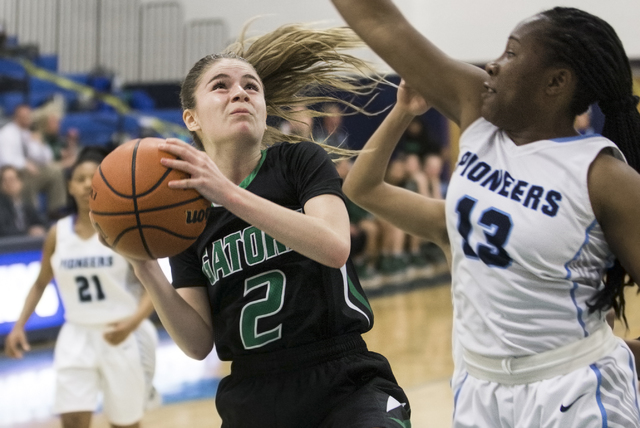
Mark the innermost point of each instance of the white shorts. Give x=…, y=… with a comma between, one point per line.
x=87, y=364
x=603, y=394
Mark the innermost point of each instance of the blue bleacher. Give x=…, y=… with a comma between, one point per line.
x=99, y=127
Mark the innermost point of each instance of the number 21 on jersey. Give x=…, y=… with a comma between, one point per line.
x=496, y=227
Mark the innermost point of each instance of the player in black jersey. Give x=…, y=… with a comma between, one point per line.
x=269, y=280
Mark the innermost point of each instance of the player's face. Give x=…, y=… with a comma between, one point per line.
x=80, y=184
x=514, y=89
x=230, y=104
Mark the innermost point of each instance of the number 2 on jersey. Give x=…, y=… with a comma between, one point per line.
x=275, y=282
x=497, y=228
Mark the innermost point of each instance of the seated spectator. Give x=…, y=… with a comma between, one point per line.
x=393, y=256
x=365, y=233
x=48, y=127
x=69, y=152
x=34, y=159
x=63, y=148
x=18, y=216
x=418, y=146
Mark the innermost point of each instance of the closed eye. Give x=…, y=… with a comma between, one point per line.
x=218, y=85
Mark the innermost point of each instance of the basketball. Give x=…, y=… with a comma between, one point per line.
x=134, y=209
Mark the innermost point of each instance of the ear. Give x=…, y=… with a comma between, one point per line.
x=190, y=120
x=560, y=81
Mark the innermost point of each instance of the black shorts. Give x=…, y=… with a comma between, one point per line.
x=336, y=383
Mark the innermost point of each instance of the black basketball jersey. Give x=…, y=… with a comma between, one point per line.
x=263, y=295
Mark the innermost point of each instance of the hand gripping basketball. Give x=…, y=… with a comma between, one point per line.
x=136, y=212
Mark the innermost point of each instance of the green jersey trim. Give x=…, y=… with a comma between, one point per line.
x=249, y=178
x=403, y=424
x=357, y=295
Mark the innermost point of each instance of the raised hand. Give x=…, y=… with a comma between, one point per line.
x=411, y=101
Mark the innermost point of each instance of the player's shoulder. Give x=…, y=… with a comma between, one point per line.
x=303, y=148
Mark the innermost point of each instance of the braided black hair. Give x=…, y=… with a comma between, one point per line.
x=592, y=49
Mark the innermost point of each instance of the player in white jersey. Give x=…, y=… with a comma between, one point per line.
x=107, y=344
x=541, y=222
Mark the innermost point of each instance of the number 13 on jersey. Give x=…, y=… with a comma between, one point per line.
x=496, y=227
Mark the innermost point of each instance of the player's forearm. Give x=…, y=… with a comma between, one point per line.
x=30, y=303
x=183, y=323
x=367, y=17
x=320, y=239
x=369, y=169
x=145, y=308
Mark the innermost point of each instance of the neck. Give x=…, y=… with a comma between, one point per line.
x=82, y=225
x=82, y=218
x=235, y=161
x=542, y=130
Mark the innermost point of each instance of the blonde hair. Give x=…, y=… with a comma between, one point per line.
x=299, y=66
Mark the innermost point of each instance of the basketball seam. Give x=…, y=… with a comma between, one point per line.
x=135, y=198
x=148, y=210
x=168, y=231
x=122, y=195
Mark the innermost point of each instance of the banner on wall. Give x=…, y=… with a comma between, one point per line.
x=18, y=271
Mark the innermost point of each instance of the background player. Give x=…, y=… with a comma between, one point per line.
x=534, y=212
x=269, y=278
x=106, y=344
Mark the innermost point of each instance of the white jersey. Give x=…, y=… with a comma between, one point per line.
x=96, y=284
x=528, y=253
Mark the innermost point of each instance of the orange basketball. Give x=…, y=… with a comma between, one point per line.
x=134, y=209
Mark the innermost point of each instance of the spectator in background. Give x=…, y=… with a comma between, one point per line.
x=34, y=160
x=365, y=233
x=393, y=257
x=69, y=154
x=424, y=163
x=421, y=149
x=302, y=123
x=64, y=148
x=48, y=127
x=18, y=216
x=332, y=131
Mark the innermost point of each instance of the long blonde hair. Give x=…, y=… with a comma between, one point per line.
x=299, y=66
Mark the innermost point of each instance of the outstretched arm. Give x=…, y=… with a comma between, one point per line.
x=365, y=185
x=16, y=342
x=451, y=86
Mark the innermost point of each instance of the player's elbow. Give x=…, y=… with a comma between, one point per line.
x=358, y=193
x=350, y=190
x=198, y=352
x=338, y=256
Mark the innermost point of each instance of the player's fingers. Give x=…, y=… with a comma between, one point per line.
x=13, y=349
x=181, y=184
x=178, y=148
x=24, y=344
x=181, y=165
